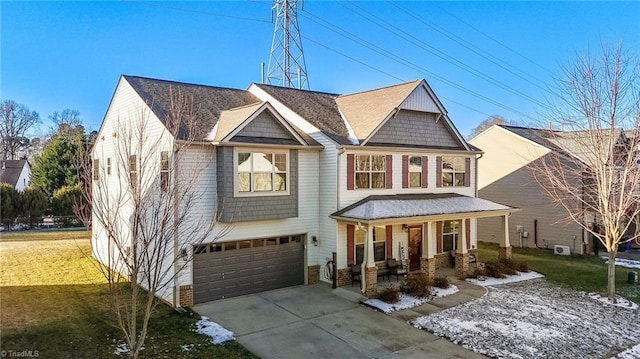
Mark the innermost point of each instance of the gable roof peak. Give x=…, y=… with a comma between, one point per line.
x=416, y=82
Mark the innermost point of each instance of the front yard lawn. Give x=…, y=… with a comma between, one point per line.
x=54, y=301
x=582, y=272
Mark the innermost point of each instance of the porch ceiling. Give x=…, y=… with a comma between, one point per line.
x=419, y=207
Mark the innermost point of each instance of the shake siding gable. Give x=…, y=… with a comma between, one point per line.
x=351, y=234
x=350, y=172
x=405, y=171
x=389, y=170
x=425, y=162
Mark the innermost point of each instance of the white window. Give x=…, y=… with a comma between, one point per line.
x=262, y=172
x=164, y=171
x=450, y=233
x=133, y=170
x=453, y=171
x=379, y=245
x=370, y=171
x=96, y=169
x=415, y=171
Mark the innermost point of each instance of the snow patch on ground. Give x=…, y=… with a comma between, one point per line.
x=214, y=330
x=620, y=301
x=535, y=319
x=631, y=353
x=489, y=281
x=186, y=347
x=121, y=348
x=407, y=301
x=621, y=262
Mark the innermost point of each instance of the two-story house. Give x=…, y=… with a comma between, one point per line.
x=300, y=176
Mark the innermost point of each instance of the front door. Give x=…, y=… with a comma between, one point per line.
x=415, y=247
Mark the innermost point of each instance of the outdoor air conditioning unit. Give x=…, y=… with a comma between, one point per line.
x=562, y=250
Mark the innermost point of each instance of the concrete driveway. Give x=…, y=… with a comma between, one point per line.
x=318, y=322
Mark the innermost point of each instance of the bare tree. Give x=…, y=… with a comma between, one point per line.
x=145, y=184
x=595, y=174
x=493, y=120
x=15, y=120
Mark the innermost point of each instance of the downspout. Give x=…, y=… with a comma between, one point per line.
x=478, y=157
x=339, y=153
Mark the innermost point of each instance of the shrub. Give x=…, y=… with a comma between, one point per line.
x=521, y=266
x=417, y=285
x=479, y=271
x=389, y=295
x=494, y=269
x=441, y=282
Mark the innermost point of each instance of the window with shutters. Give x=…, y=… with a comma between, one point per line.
x=453, y=171
x=370, y=171
x=415, y=171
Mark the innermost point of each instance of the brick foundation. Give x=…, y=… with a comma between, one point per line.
x=186, y=296
x=371, y=281
x=313, y=274
x=344, y=277
x=504, y=252
x=462, y=264
x=443, y=260
x=428, y=266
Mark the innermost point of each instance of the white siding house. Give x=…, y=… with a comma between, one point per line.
x=291, y=178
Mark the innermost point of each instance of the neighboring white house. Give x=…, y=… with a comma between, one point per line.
x=16, y=173
x=300, y=175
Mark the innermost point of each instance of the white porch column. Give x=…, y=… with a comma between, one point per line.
x=369, y=269
x=369, y=252
x=429, y=244
x=461, y=246
x=427, y=261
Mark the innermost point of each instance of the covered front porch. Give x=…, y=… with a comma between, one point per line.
x=420, y=231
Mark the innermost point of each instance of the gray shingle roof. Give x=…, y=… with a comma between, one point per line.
x=208, y=101
x=10, y=171
x=576, y=144
x=416, y=205
x=318, y=108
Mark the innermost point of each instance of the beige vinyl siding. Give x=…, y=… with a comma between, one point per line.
x=504, y=152
x=519, y=190
x=503, y=177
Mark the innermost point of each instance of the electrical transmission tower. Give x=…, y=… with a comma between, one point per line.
x=286, y=62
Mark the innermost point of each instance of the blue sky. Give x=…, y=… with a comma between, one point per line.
x=481, y=58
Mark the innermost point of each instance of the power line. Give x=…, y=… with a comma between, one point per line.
x=194, y=11
x=342, y=32
x=494, y=60
x=387, y=73
x=441, y=54
x=495, y=40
